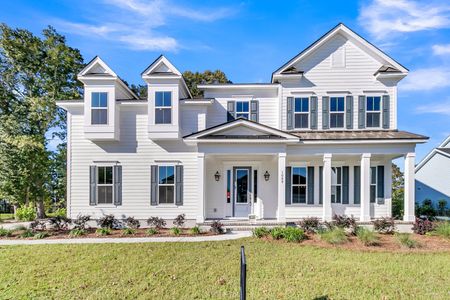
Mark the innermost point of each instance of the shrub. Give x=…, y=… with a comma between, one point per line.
x=60, y=223
x=26, y=213
x=217, y=227
x=77, y=232
x=342, y=221
x=422, y=226
x=175, y=230
x=5, y=232
x=405, y=240
x=384, y=225
x=426, y=209
x=109, y=222
x=442, y=205
x=195, y=230
x=293, y=234
x=103, y=231
x=132, y=223
x=60, y=212
x=41, y=235
x=152, y=231
x=38, y=225
x=260, y=232
x=367, y=237
x=310, y=225
x=277, y=233
x=157, y=223
x=334, y=236
x=27, y=233
x=442, y=229
x=81, y=222
x=179, y=220
x=129, y=231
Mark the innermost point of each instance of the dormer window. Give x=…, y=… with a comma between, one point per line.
x=337, y=111
x=163, y=107
x=373, y=111
x=242, y=109
x=301, y=113
x=99, y=108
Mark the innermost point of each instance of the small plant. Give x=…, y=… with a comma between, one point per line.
x=342, y=221
x=423, y=226
x=217, y=227
x=20, y=228
x=41, y=235
x=179, y=220
x=109, y=222
x=157, y=223
x=442, y=204
x=442, y=229
x=310, y=225
x=260, y=232
x=152, y=231
x=60, y=223
x=132, y=223
x=103, y=231
x=128, y=231
x=293, y=234
x=38, y=225
x=195, y=230
x=384, y=225
x=277, y=233
x=405, y=240
x=27, y=233
x=175, y=230
x=77, y=232
x=60, y=212
x=334, y=236
x=367, y=237
x=5, y=232
x=81, y=222
x=26, y=213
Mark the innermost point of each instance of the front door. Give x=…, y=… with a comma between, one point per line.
x=242, y=204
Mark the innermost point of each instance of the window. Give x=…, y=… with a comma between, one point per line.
x=337, y=106
x=255, y=186
x=242, y=109
x=336, y=185
x=373, y=184
x=301, y=113
x=299, y=185
x=163, y=107
x=166, y=185
x=228, y=186
x=99, y=108
x=105, y=185
x=373, y=111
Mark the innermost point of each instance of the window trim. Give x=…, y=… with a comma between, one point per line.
x=299, y=185
x=302, y=113
x=337, y=184
x=243, y=112
x=373, y=184
x=97, y=185
x=344, y=125
x=100, y=108
x=164, y=108
x=174, y=184
x=380, y=112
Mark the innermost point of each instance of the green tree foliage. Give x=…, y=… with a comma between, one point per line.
x=398, y=192
x=34, y=73
x=193, y=79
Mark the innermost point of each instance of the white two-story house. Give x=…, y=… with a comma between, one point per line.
x=317, y=140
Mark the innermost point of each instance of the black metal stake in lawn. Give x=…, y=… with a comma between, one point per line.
x=243, y=274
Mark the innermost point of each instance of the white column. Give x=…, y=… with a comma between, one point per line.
x=326, y=186
x=409, y=187
x=201, y=187
x=365, y=187
x=281, y=214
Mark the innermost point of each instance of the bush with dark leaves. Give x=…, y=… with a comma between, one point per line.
x=217, y=227
x=81, y=222
x=384, y=225
x=423, y=226
x=310, y=225
x=60, y=223
x=132, y=223
x=179, y=220
x=38, y=225
x=157, y=223
x=108, y=222
x=345, y=222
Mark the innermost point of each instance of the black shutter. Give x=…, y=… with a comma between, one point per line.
x=356, y=184
x=362, y=112
x=179, y=185
x=320, y=185
x=313, y=112
x=345, y=179
x=288, y=185
x=231, y=111
x=290, y=113
x=154, y=185
x=386, y=114
x=310, y=185
x=254, y=108
x=117, y=185
x=325, y=112
x=380, y=184
x=93, y=185
x=349, y=112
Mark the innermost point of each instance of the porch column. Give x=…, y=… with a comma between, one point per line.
x=409, y=187
x=281, y=214
x=201, y=187
x=365, y=187
x=327, y=211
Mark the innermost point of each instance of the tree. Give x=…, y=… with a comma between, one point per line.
x=34, y=73
x=398, y=192
x=193, y=79
x=140, y=90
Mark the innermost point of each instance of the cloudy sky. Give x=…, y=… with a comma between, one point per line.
x=248, y=40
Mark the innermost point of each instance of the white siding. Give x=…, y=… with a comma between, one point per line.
x=433, y=179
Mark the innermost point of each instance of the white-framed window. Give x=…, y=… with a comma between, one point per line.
x=301, y=113
x=105, y=185
x=99, y=108
x=299, y=185
x=243, y=109
x=163, y=107
x=336, y=185
x=166, y=184
x=337, y=112
x=373, y=111
x=373, y=184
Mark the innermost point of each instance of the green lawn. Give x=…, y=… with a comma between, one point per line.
x=211, y=270
x=6, y=216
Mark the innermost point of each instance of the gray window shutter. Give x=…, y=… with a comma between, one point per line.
x=231, y=111
x=320, y=185
x=325, y=112
x=179, y=185
x=290, y=113
x=310, y=185
x=386, y=114
x=93, y=185
x=357, y=185
x=345, y=180
x=380, y=184
x=117, y=185
x=288, y=185
x=154, y=185
x=313, y=112
x=254, y=107
x=362, y=112
x=349, y=112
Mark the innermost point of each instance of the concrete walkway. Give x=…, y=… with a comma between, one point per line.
x=223, y=237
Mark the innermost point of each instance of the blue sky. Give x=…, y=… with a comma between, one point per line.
x=248, y=40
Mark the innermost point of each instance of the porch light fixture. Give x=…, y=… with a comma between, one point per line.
x=217, y=176
x=266, y=176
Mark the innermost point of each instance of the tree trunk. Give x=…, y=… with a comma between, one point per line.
x=40, y=209
x=15, y=210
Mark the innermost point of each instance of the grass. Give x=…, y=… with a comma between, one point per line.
x=443, y=230
x=367, y=237
x=210, y=270
x=405, y=240
x=6, y=217
x=334, y=236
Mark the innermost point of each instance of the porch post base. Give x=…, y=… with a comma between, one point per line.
x=409, y=218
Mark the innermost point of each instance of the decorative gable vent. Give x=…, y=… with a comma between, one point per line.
x=338, y=58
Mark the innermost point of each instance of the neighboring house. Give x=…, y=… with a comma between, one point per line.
x=318, y=140
x=433, y=175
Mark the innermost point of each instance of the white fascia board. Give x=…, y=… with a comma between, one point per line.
x=238, y=141
x=133, y=103
x=390, y=75
x=67, y=104
x=443, y=153
x=288, y=76
x=197, y=102
x=425, y=160
x=237, y=86
x=161, y=60
x=445, y=142
x=97, y=60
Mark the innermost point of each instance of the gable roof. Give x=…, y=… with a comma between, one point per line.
x=347, y=32
x=441, y=149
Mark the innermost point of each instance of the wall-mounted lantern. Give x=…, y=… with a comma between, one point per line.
x=266, y=176
x=217, y=176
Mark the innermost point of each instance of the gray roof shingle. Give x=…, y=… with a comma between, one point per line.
x=356, y=135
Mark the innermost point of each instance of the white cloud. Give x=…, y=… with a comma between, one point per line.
x=426, y=79
x=382, y=18
x=442, y=108
x=441, y=49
